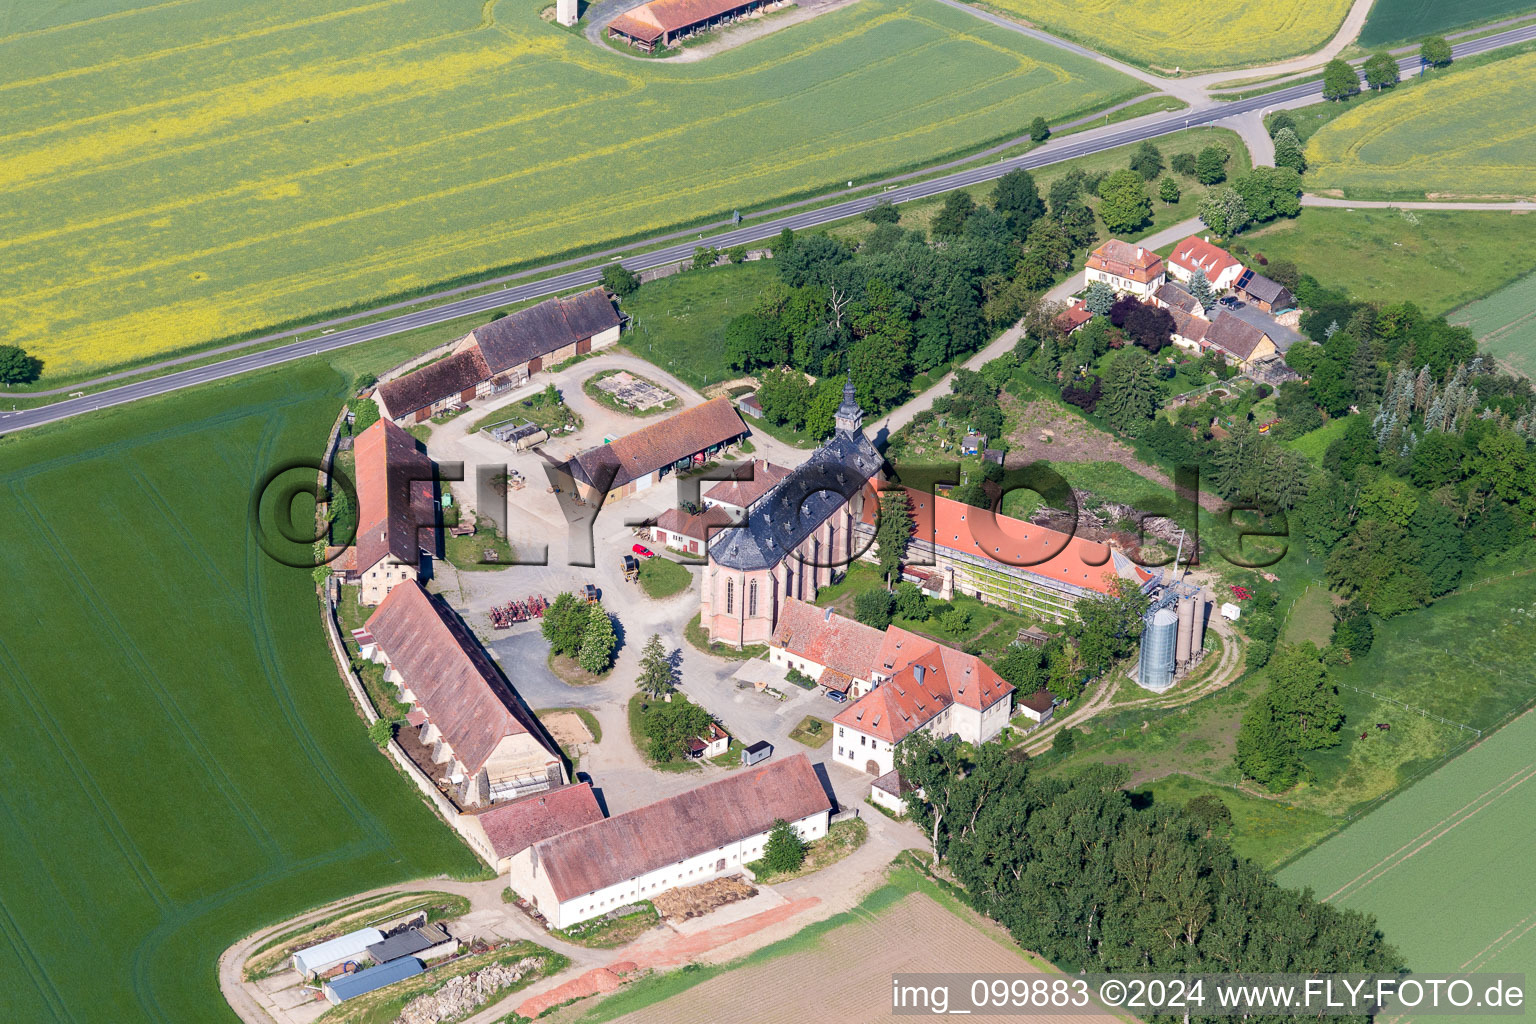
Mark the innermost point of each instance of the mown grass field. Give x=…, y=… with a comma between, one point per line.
x=1505, y=323
x=679, y=321
x=177, y=172
x=1457, y=136
x=1392, y=21
x=1445, y=866
x=186, y=766
x=1181, y=34
x=1267, y=831
x=1438, y=259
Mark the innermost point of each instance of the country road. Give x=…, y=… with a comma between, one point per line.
x=1058, y=150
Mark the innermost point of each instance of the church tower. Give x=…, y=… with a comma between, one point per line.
x=849, y=418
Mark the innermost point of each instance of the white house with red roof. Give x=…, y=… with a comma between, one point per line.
x=1125, y=267
x=1196, y=255
x=948, y=692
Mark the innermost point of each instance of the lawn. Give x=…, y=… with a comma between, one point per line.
x=679, y=321
x=1449, y=137
x=1467, y=825
x=194, y=769
x=811, y=731
x=1505, y=324
x=1181, y=34
x=1441, y=259
x=1310, y=617
x=1267, y=831
x=469, y=554
x=1314, y=443
x=661, y=577
x=175, y=174
x=1392, y=21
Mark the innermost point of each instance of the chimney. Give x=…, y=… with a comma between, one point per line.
x=1139, y=252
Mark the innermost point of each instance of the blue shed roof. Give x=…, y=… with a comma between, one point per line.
x=350, y=986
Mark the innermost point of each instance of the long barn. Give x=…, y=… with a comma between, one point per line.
x=658, y=24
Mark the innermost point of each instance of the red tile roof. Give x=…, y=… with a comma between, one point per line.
x=1195, y=253
x=514, y=826
x=451, y=676
x=822, y=636
x=700, y=527
x=659, y=445
x=1040, y=550
x=933, y=678
x=741, y=805
x=750, y=482
x=1122, y=259
x=648, y=21
x=1189, y=326
x=1073, y=317
x=394, y=494
x=425, y=387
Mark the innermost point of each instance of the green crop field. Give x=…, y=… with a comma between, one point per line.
x=186, y=766
x=1181, y=34
x=172, y=173
x=1446, y=866
x=1449, y=137
x=1439, y=259
x=1505, y=322
x=1393, y=21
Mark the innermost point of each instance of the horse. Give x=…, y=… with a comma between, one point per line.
x=1383, y=726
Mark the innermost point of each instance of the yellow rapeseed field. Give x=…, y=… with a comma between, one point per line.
x=1466, y=134
x=1166, y=35
x=177, y=172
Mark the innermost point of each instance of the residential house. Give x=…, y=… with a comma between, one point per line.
x=510, y=827
x=1238, y=340
x=840, y=653
x=1175, y=297
x=1197, y=255
x=748, y=483
x=713, y=830
x=1127, y=268
x=1189, y=330
x=714, y=742
x=396, y=511
x=1074, y=316
x=490, y=746
x=641, y=459
x=1260, y=291
x=948, y=692
x=676, y=529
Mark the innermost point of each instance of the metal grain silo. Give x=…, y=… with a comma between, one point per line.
x=1157, y=648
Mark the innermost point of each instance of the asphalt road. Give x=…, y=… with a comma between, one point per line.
x=1296, y=95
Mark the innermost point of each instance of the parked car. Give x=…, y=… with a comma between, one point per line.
x=837, y=698
x=643, y=551
x=1230, y=301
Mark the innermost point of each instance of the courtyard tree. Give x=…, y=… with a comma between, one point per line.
x=655, y=669
x=565, y=623
x=1340, y=81
x=1098, y=298
x=1211, y=165
x=785, y=850
x=894, y=532
x=911, y=602
x=597, y=642
x=1381, y=70
x=1200, y=288
x=1123, y=202
x=874, y=607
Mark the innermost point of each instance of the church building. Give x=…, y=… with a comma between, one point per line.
x=795, y=540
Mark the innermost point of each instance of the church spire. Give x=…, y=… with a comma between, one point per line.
x=850, y=418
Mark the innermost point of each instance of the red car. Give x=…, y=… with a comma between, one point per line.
x=643, y=551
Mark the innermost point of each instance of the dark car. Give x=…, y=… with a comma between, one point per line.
x=837, y=698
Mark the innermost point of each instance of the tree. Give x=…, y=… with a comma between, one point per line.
x=17, y=367
x=565, y=623
x=1183, y=163
x=894, y=532
x=1147, y=160
x=670, y=725
x=1224, y=211
x=1099, y=298
x=597, y=642
x=365, y=413
x=1200, y=288
x=1279, y=121
x=1339, y=80
x=1131, y=394
x=874, y=607
x=1124, y=205
x=1064, y=742
x=911, y=602
x=950, y=220
x=883, y=212
x=381, y=732
x=881, y=370
x=655, y=669
x=1213, y=814
x=1289, y=152
x=955, y=621
x=1305, y=700
x=1436, y=52
x=1211, y=165
x=1023, y=666
x=704, y=256
x=1017, y=198
x=1269, y=192
x=785, y=850
x=618, y=279
x=1380, y=70
x=1039, y=131
x=1168, y=191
